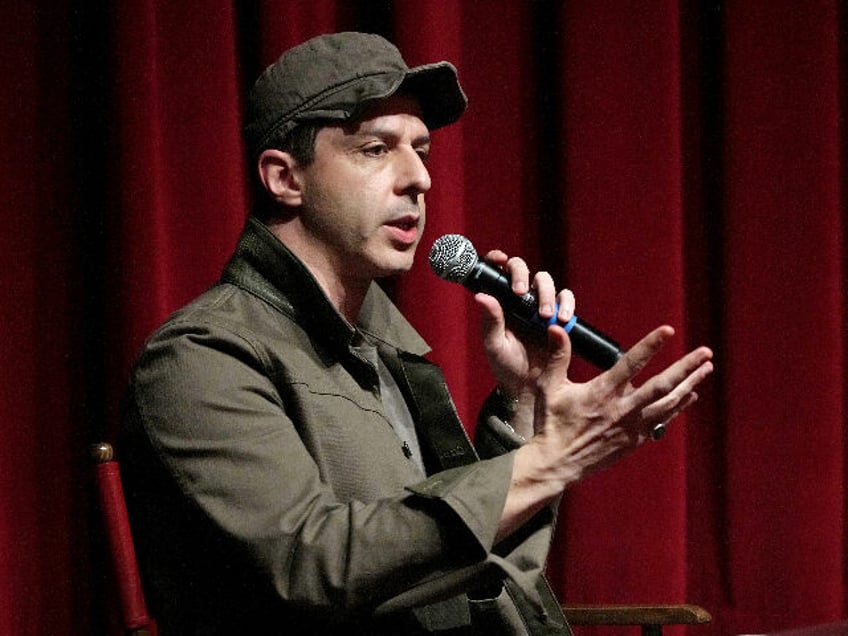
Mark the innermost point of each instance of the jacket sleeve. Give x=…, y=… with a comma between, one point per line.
x=525, y=554
x=203, y=403
x=493, y=435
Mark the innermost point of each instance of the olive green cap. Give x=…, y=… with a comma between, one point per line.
x=333, y=77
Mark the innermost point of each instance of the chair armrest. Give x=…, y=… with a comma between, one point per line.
x=636, y=614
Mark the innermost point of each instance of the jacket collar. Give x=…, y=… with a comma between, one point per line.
x=263, y=266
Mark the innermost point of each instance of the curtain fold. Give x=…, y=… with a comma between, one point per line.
x=672, y=162
x=622, y=207
x=783, y=234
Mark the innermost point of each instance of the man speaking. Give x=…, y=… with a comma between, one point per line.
x=293, y=464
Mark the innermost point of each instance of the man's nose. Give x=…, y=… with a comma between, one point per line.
x=414, y=176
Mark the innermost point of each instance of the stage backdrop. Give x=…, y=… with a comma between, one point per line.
x=671, y=161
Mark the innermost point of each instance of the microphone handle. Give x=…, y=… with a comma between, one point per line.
x=591, y=345
x=587, y=341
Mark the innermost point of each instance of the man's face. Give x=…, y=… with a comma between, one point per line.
x=363, y=195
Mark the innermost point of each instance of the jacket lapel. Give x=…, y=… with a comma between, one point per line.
x=441, y=435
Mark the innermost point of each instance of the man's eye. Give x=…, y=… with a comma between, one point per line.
x=424, y=154
x=375, y=150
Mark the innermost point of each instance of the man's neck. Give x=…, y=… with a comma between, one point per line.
x=345, y=293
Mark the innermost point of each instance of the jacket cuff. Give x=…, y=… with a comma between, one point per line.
x=475, y=493
x=494, y=436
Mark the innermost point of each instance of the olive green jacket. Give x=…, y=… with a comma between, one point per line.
x=269, y=493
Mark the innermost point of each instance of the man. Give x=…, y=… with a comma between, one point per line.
x=294, y=465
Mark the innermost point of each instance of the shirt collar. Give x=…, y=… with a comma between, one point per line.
x=265, y=267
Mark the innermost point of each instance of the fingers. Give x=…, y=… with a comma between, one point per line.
x=638, y=356
x=665, y=395
x=690, y=370
x=679, y=379
x=656, y=431
x=669, y=393
x=567, y=303
x=542, y=285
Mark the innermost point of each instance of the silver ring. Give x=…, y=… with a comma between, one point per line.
x=658, y=431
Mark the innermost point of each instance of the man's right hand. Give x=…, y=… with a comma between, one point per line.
x=582, y=428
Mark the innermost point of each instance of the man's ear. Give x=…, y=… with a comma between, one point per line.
x=280, y=176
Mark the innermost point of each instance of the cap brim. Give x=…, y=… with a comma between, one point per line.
x=436, y=87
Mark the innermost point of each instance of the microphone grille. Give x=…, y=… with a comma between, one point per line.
x=452, y=257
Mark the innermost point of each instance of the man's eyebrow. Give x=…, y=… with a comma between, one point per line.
x=422, y=141
x=388, y=133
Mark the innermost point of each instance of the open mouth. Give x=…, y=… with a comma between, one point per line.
x=405, y=230
x=405, y=224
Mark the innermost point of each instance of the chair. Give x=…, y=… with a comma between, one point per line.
x=136, y=620
x=651, y=618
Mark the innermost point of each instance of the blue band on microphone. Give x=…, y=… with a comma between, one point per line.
x=553, y=320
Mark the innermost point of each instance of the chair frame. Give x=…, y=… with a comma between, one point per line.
x=135, y=618
x=651, y=618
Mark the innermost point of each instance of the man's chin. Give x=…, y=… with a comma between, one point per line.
x=401, y=264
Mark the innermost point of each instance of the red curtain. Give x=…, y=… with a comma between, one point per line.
x=676, y=162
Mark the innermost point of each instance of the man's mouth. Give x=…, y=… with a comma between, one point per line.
x=404, y=224
x=405, y=229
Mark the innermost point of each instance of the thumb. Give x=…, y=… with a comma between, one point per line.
x=492, y=319
x=559, y=357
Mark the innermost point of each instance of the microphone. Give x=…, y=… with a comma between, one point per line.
x=454, y=259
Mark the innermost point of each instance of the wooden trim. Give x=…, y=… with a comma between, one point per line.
x=683, y=614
